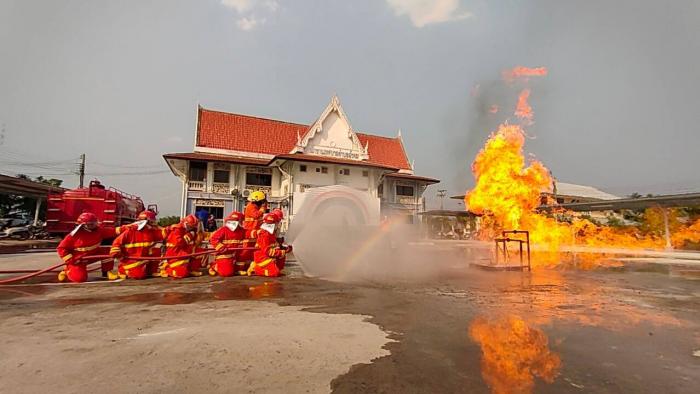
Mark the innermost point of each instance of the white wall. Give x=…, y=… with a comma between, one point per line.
x=334, y=133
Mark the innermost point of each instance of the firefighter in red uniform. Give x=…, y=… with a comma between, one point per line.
x=139, y=240
x=254, y=212
x=270, y=257
x=231, y=235
x=83, y=241
x=182, y=239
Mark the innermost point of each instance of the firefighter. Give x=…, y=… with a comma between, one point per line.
x=270, y=257
x=231, y=235
x=254, y=212
x=182, y=239
x=83, y=241
x=139, y=240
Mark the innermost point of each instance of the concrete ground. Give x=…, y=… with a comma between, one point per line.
x=632, y=329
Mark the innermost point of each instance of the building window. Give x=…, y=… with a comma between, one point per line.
x=365, y=173
x=324, y=170
x=198, y=171
x=406, y=191
x=344, y=171
x=221, y=176
x=254, y=179
x=380, y=190
x=302, y=168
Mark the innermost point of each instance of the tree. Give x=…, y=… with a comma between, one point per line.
x=168, y=220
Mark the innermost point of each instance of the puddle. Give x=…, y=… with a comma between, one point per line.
x=218, y=292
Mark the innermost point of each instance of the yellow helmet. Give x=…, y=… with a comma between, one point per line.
x=257, y=196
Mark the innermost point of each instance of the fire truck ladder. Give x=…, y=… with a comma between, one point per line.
x=502, y=247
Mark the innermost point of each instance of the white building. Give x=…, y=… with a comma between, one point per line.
x=235, y=154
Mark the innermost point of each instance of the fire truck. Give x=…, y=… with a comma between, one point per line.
x=111, y=206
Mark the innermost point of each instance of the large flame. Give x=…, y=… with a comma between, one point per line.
x=513, y=354
x=509, y=188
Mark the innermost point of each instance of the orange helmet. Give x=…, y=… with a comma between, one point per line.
x=87, y=217
x=271, y=218
x=147, y=215
x=279, y=213
x=190, y=221
x=235, y=216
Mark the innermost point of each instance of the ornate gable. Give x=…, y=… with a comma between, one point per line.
x=332, y=135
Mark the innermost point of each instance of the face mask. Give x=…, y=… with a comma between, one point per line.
x=232, y=225
x=76, y=229
x=269, y=227
x=141, y=224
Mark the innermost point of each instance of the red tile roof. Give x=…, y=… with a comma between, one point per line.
x=386, y=151
x=237, y=132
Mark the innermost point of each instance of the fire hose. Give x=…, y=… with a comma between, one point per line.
x=99, y=259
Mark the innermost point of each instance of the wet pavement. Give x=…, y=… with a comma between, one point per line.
x=465, y=330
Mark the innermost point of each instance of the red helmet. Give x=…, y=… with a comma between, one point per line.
x=279, y=213
x=87, y=217
x=147, y=215
x=190, y=220
x=271, y=218
x=235, y=216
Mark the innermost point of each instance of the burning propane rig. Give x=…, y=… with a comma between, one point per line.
x=508, y=190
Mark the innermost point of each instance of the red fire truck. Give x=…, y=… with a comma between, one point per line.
x=112, y=207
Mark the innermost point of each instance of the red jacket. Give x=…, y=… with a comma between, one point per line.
x=83, y=243
x=224, y=238
x=268, y=247
x=180, y=242
x=135, y=243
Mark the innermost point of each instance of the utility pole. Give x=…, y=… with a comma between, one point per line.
x=81, y=170
x=441, y=194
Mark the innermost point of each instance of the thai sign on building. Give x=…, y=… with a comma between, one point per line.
x=334, y=152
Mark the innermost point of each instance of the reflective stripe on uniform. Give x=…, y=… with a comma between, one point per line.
x=88, y=248
x=177, y=263
x=264, y=263
x=219, y=247
x=67, y=257
x=224, y=256
x=138, y=245
x=230, y=241
x=134, y=265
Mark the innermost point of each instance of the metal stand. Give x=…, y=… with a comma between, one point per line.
x=502, y=247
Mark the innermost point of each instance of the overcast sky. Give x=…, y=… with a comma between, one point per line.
x=121, y=80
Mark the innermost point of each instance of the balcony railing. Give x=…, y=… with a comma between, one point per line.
x=406, y=200
x=222, y=188
x=199, y=186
